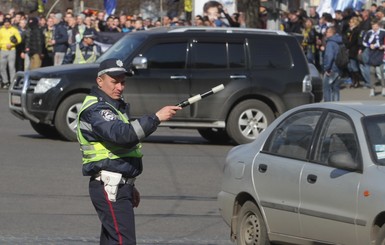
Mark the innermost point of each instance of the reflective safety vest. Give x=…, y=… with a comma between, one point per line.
x=96, y=151
x=79, y=58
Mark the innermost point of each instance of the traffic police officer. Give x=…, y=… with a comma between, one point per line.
x=87, y=51
x=110, y=144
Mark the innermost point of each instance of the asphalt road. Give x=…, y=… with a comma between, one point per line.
x=44, y=198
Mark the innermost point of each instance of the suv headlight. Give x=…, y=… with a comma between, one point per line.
x=44, y=84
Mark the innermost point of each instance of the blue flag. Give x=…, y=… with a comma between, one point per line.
x=110, y=6
x=329, y=6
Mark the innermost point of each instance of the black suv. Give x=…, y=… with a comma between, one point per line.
x=264, y=73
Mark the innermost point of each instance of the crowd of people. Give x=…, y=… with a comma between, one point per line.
x=362, y=33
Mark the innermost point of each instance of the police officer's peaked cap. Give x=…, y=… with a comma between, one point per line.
x=113, y=68
x=89, y=33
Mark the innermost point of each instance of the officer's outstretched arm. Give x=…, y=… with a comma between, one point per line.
x=167, y=112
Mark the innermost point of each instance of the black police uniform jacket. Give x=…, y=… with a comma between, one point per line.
x=108, y=128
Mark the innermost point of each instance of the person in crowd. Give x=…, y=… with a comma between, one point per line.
x=111, y=130
x=21, y=63
x=122, y=20
x=338, y=21
x=198, y=21
x=374, y=43
x=325, y=22
x=309, y=40
x=70, y=25
x=110, y=25
x=60, y=40
x=313, y=14
x=9, y=39
x=87, y=51
x=48, y=37
x=213, y=10
x=116, y=24
x=331, y=81
x=147, y=23
x=79, y=28
x=138, y=26
x=34, y=43
x=102, y=24
x=128, y=27
x=42, y=22
x=295, y=24
x=351, y=40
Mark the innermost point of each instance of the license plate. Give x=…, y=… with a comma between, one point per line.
x=15, y=99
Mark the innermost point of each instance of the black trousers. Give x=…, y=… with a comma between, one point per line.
x=117, y=218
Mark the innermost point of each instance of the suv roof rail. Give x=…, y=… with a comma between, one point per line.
x=225, y=30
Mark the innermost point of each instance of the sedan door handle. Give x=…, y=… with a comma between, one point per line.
x=262, y=168
x=238, y=76
x=178, y=77
x=311, y=178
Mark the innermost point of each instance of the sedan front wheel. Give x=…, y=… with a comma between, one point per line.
x=251, y=228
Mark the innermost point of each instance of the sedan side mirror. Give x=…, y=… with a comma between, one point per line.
x=139, y=62
x=342, y=160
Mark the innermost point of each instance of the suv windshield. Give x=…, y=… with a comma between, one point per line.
x=375, y=128
x=123, y=48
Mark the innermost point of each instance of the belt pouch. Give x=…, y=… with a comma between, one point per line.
x=111, y=181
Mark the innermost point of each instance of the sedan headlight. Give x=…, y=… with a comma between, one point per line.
x=44, y=84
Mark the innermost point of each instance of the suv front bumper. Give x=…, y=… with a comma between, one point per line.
x=24, y=104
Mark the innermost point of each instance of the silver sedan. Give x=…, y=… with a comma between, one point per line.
x=316, y=175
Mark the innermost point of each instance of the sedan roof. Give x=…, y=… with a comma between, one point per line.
x=366, y=108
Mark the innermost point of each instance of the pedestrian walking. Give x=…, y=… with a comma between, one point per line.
x=110, y=143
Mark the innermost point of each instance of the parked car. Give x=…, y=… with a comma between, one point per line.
x=265, y=73
x=316, y=175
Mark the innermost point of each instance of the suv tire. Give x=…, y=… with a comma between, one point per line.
x=215, y=135
x=247, y=120
x=45, y=130
x=66, y=116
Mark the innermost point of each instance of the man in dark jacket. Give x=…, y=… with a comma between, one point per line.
x=34, y=43
x=60, y=40
x=331, y=85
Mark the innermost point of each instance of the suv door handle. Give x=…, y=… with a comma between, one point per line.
x=238, y=76
x=178, y=77
x=311, y=178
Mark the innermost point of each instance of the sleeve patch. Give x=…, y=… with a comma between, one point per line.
x=108, y=115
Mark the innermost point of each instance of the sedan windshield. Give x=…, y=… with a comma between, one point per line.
x=123, y=48
x=375, y=129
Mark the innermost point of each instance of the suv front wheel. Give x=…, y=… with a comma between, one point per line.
x=66, y=116
x=247, y=120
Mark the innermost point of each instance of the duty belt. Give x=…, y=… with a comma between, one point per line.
x=123, y=180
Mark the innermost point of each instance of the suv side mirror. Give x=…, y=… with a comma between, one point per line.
x=139, y=62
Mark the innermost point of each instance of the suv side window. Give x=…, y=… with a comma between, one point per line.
x=293, y=137
x=167, y=56
x=269, y=54
x=218, y=55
